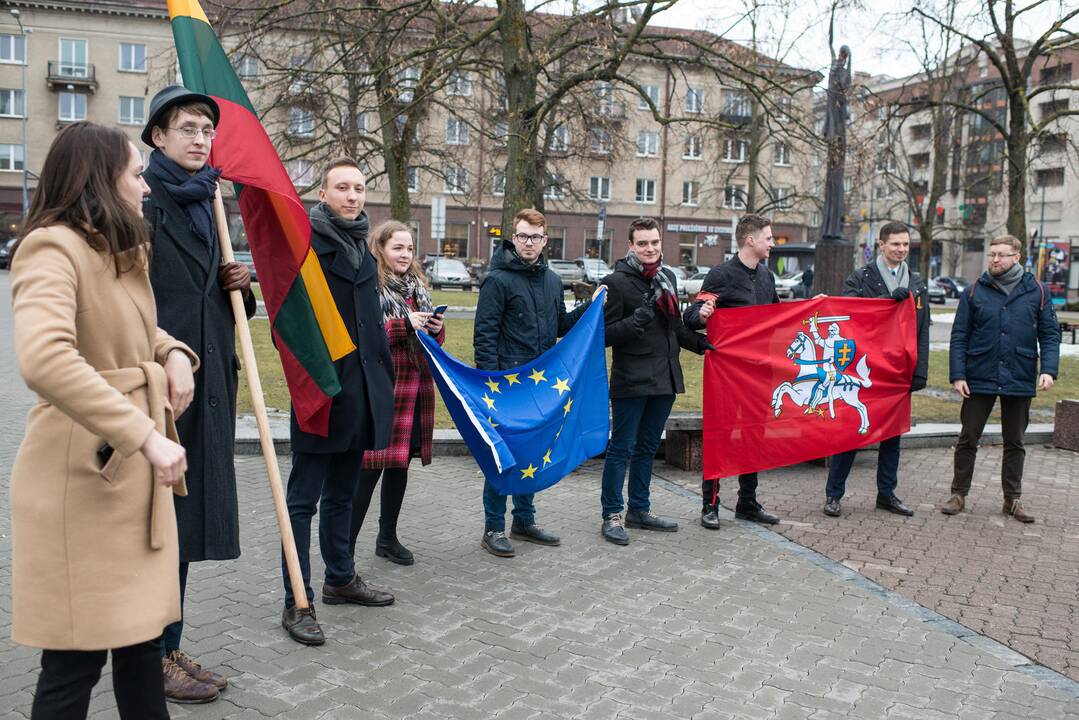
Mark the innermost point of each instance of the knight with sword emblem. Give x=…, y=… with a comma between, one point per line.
x=837, y=356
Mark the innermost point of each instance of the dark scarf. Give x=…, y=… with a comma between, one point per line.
x=1008, y=279
x=193, y=193
x=396, y=292
x=665, y=294
x=349, y=235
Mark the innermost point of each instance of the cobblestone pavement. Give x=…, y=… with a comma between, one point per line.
x=1013, y=582
x=735, y=624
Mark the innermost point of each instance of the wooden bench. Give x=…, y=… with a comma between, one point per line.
x=684, y=445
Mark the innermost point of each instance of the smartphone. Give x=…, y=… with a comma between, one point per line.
x=440, y=310
x=104, y=453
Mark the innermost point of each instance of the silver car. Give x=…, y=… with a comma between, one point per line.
x=594, y=269
x=448, y=272
x=567, y=271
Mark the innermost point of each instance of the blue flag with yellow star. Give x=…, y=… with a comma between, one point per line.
x=530, y=426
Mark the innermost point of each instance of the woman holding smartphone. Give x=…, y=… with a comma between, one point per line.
x=94, y=531
x=406, y=310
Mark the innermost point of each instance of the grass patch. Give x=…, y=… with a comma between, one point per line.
x=926, y=407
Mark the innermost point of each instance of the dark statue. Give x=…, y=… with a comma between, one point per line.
x=835, y=133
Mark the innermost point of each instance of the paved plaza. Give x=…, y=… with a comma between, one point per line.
x=742, y=623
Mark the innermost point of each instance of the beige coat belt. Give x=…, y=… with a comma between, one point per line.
x=151, y=375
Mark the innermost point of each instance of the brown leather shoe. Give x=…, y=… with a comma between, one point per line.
x=198, y=672
x=954, y=505
x=182, y=688
x=1015, y=509
x=355, y=592
x=302, y=626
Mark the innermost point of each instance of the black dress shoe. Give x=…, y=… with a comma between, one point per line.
x=893, y=505
x=495, y=542
x=534, y=534
x=648, y=521
x=613, y=531
x=710, y=517
x=394, y=551
x=355, y=592
x=756, y=514
x=832, y=507
x=302, y=625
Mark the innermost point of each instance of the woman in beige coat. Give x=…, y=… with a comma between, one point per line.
x=94, y=532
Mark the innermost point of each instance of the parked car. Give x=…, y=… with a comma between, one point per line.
x=245, y=257
x=693, y=284
x=567, y=271
x=448, y=272
x=953, y=286
x=593, y=269
x=5, y=252
x=936, y=292
x=789, y=285
x=680, y=278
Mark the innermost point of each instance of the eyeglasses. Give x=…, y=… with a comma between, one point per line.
x=191, y=132
x=529, y=239
x=1001, y=256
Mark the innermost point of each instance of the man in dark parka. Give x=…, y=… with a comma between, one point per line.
x=325, y=470
x=191, y=290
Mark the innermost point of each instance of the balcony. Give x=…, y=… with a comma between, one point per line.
x=70, y=76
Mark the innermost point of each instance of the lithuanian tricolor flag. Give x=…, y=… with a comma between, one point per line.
x=308, y=329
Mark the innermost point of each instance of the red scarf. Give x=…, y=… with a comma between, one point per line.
x=667, y=302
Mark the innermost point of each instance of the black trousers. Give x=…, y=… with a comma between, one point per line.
x=1014, y=417
x=747, y=492
x=394, y=481
x=68, y=676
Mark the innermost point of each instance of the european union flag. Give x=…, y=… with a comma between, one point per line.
x=530, y=426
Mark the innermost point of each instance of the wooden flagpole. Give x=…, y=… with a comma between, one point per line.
x=273, y=471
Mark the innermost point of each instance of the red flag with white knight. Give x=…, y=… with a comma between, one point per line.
x=792, y=382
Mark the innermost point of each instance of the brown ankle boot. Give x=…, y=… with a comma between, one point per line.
x=954, y=505
x=182, y=688
x=192, y=668
x=1015, y=509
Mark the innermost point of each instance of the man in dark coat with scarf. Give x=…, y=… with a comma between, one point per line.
x=644, y=328
x=887, y=276
x=325, y=470
x=520, y=314
x=191, y=289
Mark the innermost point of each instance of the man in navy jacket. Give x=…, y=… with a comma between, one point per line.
x=1002, y=321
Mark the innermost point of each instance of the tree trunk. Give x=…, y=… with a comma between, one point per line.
x=755, y=141
x=520, y=74
x=1017, y=169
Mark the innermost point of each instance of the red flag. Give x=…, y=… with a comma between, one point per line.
x=797, y=381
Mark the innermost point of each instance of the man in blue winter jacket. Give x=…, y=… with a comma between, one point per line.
x=1002, y=322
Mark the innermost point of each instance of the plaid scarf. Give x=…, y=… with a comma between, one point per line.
x=663, y=291
x=398, y=295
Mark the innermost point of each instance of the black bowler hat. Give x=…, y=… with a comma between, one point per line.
x=169, y=97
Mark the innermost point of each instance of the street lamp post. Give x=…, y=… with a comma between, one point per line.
x=15, y=13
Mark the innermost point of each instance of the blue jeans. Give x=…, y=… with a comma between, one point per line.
x=322, y=483
x=494, y=509
x=637, y=425
x=887, y=470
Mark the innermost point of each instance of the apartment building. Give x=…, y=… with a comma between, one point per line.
x=609, y=160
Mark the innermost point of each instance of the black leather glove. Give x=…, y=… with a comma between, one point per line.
x=900, y=294
x=709, y=346
x=918, y=383
x=643, y=315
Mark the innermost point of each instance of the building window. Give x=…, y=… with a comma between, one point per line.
x=456, y=180
x=12, y=157
x=1050, y=177
x=886, y=164
x=247, y=66
x=132, y=110
x=783, y=155
x=783, y=109
x=300, y=171
x=646, y=190
x=694, y=101
x=132, y=57
x=734, y=197
x=559, y=139
x=301, y=122
x=737, y=104
x=692, y=150
x=72, y=107
x=12, y=49
x=1057, y=74
x=652, y=91
x=647, y=144
x=498, y=183
x=412, y=178
x=502, y=133
x=73, y=58
x=554, y=186
x=601, y=141
x=361, y=123
x=456, y=131
x=455, y=244
x=734, y=150
x=12, y=103
x=880, y=192
x=459, y=84
x=782, y=197
x=599, y=188
x=691, y=193
x=407, y=80
x=1054, y=143
x=556, y=243
x=1053, y=107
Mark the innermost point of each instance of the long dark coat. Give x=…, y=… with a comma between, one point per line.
x=361, y=416
x=192, y=307
x=643, y=363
